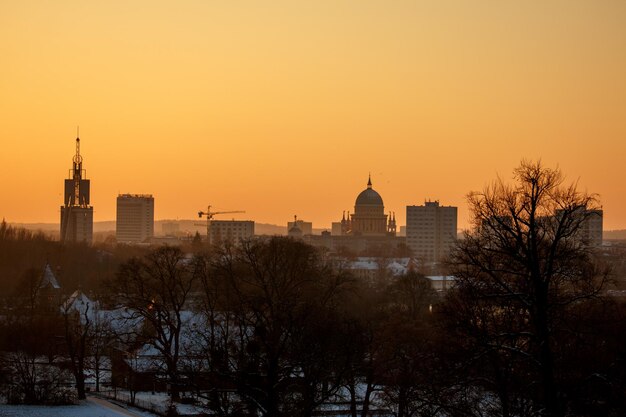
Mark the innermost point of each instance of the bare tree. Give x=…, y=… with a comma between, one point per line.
x=283, y=299
x=29, y=348
x=78, y=327
x=525, y=263
x=101, y=342
x=27, y=290
x=212, y=341
x=156, y=288
x=87, y=336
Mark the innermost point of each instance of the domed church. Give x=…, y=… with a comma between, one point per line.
x=369, y=218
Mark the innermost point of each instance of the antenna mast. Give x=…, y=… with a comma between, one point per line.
x=78, y=172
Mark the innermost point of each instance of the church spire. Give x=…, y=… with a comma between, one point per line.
x=369, y=180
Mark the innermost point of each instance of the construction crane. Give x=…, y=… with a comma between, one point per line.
x=209, y=216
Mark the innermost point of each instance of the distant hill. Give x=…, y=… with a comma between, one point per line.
x=193, y=226
x=44, y=227
x=614, y=234
x=186, y=226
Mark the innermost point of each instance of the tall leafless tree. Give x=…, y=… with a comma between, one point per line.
x=157, y=288
x=524, y=264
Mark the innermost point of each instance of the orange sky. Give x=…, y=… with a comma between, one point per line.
x=283, y=107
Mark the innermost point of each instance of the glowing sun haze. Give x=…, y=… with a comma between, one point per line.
x=283, y=107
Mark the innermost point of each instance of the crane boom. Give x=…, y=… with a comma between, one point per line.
x=209, y=216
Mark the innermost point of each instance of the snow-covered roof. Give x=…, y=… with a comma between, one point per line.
x=121, y=320
x=403, y=261
x=79, y=302
x=145, y=364
x=363, y=264
x=397, y=266
x=441, y=277
x=48, y=280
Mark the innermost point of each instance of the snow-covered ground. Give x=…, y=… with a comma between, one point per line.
x=89, y=408
x=158, y=401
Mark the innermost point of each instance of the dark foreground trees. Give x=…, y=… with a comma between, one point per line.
x=78, y=332
x=304, y=334
x=521, y=272
x=156, y=289
x=272, y=328
x=289, y=350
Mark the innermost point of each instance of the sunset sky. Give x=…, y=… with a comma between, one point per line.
x=284, y=107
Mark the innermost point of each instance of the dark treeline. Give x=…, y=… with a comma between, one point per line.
x=24, y=253
x=281, y=331
x=273, y=327
x=284, y=331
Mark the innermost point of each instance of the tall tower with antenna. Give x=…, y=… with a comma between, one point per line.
x=76, y=213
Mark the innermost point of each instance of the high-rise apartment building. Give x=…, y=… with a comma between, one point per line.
x=593, y=227
x=135, y=218
x=431, y=230
x=76, y=213
x=336, y=228
x=591, y=221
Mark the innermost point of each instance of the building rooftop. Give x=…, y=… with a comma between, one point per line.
x=49, y=280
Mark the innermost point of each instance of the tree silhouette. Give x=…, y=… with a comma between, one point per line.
x=157, y=288
x=519, y=271
x=285, y=299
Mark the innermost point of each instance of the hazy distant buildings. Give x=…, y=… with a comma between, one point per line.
x=592, y=227
x=430, y=230
x=367, y=231
x=76, y=213
x=304, y=228
x=231, y=230
x=170, y=228
x=135, y=218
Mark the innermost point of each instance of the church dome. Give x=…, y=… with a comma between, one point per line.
x=369, y=197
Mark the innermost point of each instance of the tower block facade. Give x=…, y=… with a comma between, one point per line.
x=76, y=213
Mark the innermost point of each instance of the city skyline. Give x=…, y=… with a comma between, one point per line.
x=285, y=108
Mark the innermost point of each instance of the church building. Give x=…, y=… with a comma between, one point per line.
x=366, y=232
x=369, y=218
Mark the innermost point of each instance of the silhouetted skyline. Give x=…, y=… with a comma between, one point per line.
x=285, y=107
